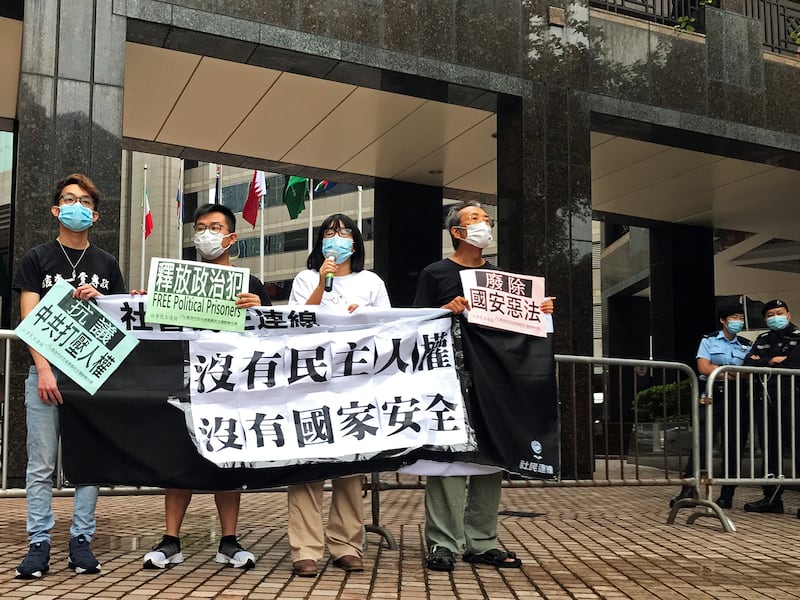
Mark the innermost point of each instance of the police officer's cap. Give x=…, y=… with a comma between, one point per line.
x=774, y=304
x=729, y=308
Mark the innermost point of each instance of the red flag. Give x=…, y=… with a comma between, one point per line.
x=148, y=217
x=258, y=188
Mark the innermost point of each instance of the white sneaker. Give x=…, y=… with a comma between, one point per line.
x=165, y=553
x=232, y=553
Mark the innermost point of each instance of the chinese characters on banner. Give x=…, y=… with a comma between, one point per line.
x=305, y=383
x=324, y=395
x=195, y=294
x=76, y=336
x=506, y=301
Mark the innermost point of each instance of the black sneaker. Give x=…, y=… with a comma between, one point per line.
x=36, y=562
x=687, y=491
x=764, y=505
x=724, y=503
x=81, y=558
x=167, y=552
x=231, y=553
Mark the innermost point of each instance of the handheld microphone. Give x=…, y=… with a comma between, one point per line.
x=329, y=276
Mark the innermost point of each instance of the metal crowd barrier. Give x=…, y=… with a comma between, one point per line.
x=638, y=431
x=641, y=427
x=755, y=416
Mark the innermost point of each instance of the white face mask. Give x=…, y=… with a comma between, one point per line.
x=209, y=244
x=478, y=235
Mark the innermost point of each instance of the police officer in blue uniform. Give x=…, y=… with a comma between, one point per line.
x=779, y=347
x=721, y=347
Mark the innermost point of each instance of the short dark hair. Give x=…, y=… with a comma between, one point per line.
x=315, y=259
x=81, y=180
x=230, y=218
x=453, y=218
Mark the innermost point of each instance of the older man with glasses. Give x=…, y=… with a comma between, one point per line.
x=455, y=520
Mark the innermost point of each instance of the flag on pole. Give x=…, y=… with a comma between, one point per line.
x=148, y=217
x=323, y=186
x=179, y=202
x=218, y=186
x=294, y=196
x=258, y=189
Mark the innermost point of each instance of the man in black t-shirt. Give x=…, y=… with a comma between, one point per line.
x=453, y=519
x=215, y=235
x=93, y=272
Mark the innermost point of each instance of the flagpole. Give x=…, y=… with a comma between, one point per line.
x=261, y=242
x=180, y=210
x=144, y=216
x=218, y=188
x=310, y=215
x=360, y=193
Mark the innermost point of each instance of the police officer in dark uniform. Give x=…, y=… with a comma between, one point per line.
x=779, y=347
x=718, y=348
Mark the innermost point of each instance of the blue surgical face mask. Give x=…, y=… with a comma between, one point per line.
x=75, y=217
x=735, y=326
x=340, y=248
x=777, y=322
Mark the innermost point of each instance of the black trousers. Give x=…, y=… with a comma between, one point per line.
x=774, y=428
x=733, y=445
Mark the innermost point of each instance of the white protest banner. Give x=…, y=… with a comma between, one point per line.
x=306, y=382
x=195, y=294
x=506, y=301
x=76, y=337
x=327, y=394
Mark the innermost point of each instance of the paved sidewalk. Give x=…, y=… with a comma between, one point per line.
x=576, y=543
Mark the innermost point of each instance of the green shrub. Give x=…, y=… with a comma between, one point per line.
x=668, y=402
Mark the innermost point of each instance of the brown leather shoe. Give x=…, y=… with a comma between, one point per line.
x=349, y=563
x=305, y=568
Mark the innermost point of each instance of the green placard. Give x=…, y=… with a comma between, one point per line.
x=76, y=337
x=195, y=294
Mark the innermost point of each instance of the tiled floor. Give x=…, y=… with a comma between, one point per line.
x=576, y=543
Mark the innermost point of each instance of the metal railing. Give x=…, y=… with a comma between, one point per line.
x=780, y=18
x=751, y=415
x=630, y=423
x=638, y=430
x=665, y=12
x=781, y=23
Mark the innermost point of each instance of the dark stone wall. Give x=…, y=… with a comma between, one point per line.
x=70, y=107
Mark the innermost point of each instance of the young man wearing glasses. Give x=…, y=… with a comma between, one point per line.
x=215, y=235
x=455, y=520
x=93, y=272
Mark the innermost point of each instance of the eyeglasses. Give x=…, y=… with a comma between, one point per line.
x=473, y=219
x=213, y=228
x=342, y=232
x=86, y=201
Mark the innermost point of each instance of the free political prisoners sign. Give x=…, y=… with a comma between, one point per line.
x=303, y=394
x=195, y=294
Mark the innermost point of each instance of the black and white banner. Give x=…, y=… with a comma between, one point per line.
x=325, y=395
x=310, y=394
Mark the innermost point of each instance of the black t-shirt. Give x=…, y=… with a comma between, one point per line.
x=257, y=288
x=440, y=282
x=42, y=266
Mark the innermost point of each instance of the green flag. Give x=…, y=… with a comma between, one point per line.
x=294, y=196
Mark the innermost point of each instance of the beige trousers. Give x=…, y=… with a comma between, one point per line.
x=345, y=519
